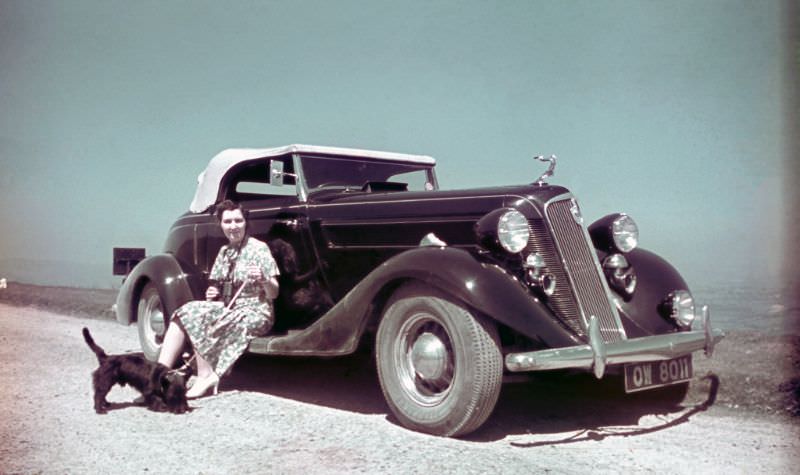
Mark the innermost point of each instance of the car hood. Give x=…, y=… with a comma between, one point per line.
x=508, y=195
x=404, y=218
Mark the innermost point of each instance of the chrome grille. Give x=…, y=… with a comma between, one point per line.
x=563, y=301
x=580, y=291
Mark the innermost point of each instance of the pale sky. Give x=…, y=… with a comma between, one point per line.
x=674, y=112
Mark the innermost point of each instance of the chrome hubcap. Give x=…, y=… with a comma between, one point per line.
x=429, y=357
x=424, y=359
x=154, y=323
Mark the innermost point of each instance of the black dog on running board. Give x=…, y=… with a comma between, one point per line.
x=163, y=389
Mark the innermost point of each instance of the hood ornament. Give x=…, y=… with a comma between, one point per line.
x=550, y=170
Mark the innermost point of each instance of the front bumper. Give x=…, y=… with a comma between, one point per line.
x=597, y=354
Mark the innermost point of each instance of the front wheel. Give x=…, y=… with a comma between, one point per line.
x=150, y=322
x=439, y=365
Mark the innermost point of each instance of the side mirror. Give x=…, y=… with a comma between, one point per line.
x=276, y=172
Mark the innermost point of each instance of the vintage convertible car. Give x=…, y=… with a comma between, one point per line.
x=455, y=289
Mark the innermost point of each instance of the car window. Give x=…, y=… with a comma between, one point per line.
x=354, y=174
x=417, y=180
x=257, y=188
x=250, y=181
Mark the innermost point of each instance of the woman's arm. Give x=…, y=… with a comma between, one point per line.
x=271, y=287
x=270, y=284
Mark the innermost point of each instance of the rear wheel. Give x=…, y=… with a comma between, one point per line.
x=150, y=322
x=439, y=365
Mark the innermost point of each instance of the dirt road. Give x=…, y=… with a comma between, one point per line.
x=314, y=416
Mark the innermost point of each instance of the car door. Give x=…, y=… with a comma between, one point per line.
x=277, y=216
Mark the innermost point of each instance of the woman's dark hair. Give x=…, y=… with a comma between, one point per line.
x=228, y=205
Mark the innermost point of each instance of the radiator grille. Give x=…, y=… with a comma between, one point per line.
x=570, y=259
x=563, y=301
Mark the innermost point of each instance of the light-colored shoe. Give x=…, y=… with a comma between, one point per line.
x=202, y=385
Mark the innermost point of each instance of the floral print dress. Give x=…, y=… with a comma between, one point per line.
x=220, y=335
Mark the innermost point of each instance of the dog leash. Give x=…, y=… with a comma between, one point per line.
x=221, y=322
x=236, y=295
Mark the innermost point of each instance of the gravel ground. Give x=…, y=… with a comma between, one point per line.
x=318, y=416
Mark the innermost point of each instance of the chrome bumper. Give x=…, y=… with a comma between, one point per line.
x=597, y=354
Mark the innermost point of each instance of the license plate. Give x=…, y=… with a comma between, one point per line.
x=641, y=376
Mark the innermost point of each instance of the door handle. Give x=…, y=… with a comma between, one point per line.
x=289, y=223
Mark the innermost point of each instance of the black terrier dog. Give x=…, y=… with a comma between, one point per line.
x=302, y=296
x=163, y=390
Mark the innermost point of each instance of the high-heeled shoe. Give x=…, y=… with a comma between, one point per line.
x=202, y=385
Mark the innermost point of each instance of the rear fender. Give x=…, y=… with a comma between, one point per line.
x=163, y=271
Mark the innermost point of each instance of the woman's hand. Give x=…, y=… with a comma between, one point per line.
x=255, y=274
x=212, y=293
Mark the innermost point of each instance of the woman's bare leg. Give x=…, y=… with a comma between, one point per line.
x=204, y=369
x=174, y=340
x=206, y=380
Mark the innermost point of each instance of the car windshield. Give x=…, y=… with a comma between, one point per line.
x=321, y=173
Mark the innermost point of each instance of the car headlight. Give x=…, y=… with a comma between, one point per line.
x=513, y=232
x=680, y=304
x=615, y=233
x=503, y=229
x=625, y=233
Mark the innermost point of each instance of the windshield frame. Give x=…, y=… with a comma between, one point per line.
x=302, y=164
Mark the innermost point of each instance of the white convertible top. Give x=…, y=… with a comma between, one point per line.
x=209, y=180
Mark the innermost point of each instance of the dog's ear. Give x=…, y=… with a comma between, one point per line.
x=284, y=255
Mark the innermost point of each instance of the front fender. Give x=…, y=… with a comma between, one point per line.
x=656, y=278
x=485, y=287
x=482, y=286
x=163, y=271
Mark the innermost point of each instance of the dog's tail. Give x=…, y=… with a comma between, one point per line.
x=101, y=355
